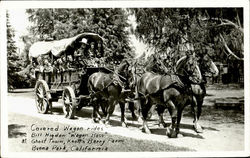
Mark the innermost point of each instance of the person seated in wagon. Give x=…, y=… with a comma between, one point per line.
x=93, y=61
x=47, y=65
x=80, y=54
x=100, y=54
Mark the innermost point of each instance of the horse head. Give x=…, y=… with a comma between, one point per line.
x=122, y=69
x=187, y=67
x=208, y=67
x=124, y=64
x=126, y=71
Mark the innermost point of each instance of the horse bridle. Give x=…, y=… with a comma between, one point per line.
x=206, y=64
x=191, y=71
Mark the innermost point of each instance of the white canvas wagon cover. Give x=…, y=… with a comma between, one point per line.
x=57, y=47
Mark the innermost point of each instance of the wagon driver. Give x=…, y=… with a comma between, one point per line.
x=80, y=54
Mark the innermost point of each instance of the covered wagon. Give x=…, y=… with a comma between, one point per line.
x=62, y=69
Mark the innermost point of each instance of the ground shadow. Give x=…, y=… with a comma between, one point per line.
x=57, y=110
x=117, y=122
x=15, y=131
x=188, y=126
x=185, y=134
x=209, y=95
x=22, y=90
x=86, y=113
x=162, y=131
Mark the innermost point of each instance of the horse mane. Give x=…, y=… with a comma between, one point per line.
x=122, y=66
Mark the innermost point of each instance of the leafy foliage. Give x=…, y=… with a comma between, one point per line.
x=109, y=23
x=173, y=32
x=14, y=80
x=164, y=28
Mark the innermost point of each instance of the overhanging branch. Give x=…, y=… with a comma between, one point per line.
x=228, y=22
x=228, y=49
x=225, y=22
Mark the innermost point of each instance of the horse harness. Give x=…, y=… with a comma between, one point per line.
x=115, y=80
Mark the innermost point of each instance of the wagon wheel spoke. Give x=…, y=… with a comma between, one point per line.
x=40, y=104
x=40, y=92
x=41, y=96
x=68, y=102
x=43, y=103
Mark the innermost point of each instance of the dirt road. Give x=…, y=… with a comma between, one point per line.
x=223, y=129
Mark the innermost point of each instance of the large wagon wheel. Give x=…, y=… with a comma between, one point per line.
x=69, y=102
x=42, y=97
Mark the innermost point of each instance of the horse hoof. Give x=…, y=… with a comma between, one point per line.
x=149, y=116
x=168, y=131
x=101, y=122
x=162, y=125
x=139, y=120
x=179, y=135
x=198, y=129
x=171, y=133
x=124, y=125
x=95, y=120
x=148, y=131
x=107, y=123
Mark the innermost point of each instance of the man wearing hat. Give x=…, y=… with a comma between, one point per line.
x=80, y=54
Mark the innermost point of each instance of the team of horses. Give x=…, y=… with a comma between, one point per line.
x=152, y=91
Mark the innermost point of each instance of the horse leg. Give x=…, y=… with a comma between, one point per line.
x=171, y=131
x=104, y=108
x=137, y=106
x=199, y=105
x=151, y=111
x=95, y=116
x=131, y=107
x=110, y=109
x=160, y=110
x=123, y=119
x=179, y=115
x=145, y=110
x=196, y=106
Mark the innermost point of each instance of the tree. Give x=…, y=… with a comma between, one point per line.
x=12, y=57
x=214, y=29
x=110, y=23
x=174, y=31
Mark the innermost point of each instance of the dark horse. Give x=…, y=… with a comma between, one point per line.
x=107, y=90
x=169, y=91
x=208, y=69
